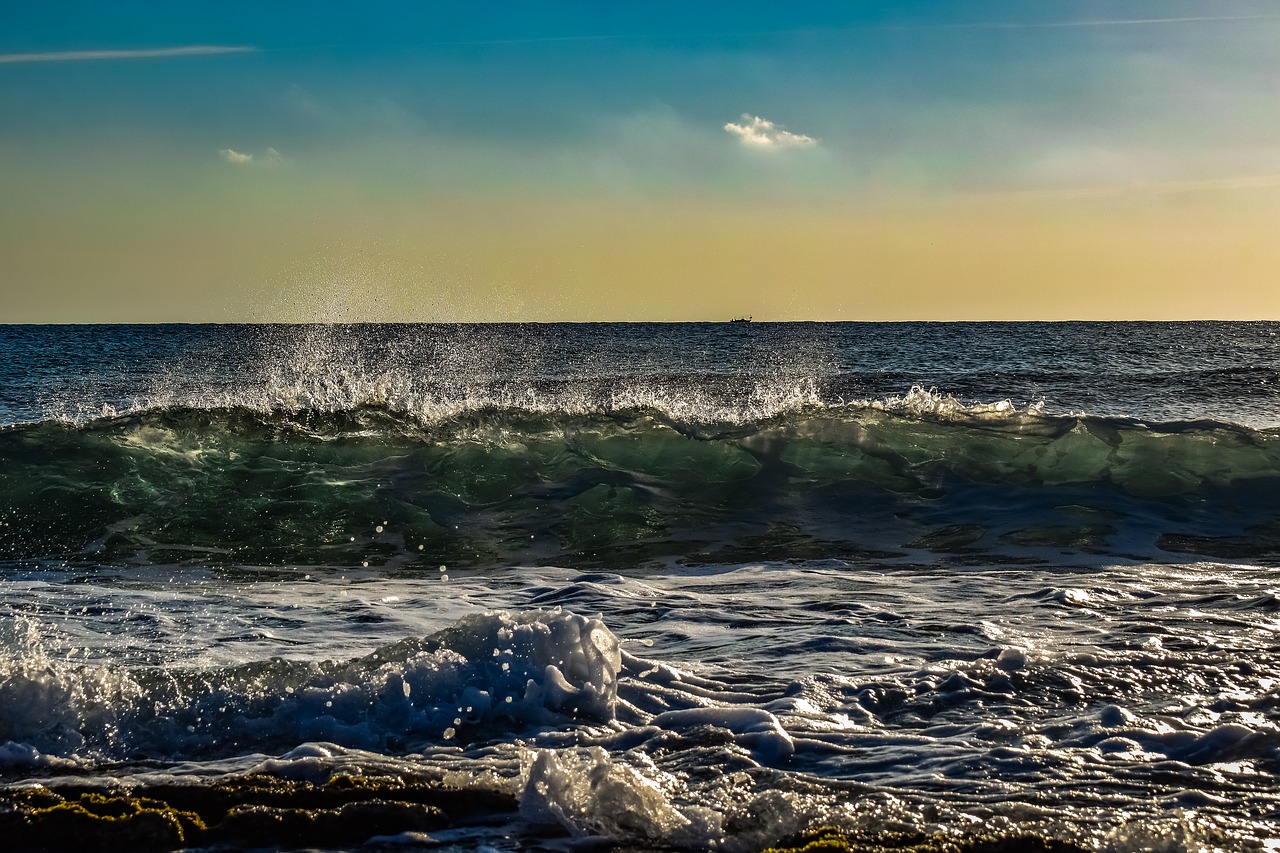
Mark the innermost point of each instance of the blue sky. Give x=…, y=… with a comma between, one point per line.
x=455, y=144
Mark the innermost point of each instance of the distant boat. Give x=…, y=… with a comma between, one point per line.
x=740, y=320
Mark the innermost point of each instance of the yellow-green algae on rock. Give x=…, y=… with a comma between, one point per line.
x=94, y=821
x=253, y=810
x=830, y=839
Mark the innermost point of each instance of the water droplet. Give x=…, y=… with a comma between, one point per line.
x=420, y=547
x=444, y=578
x=405, y=686
x=378, y=529
x=449, y=733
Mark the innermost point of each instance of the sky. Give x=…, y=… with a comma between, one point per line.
x=580, y=161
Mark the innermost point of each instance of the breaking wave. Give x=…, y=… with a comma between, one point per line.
x=476, y=480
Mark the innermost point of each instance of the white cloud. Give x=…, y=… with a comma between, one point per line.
x=756, y=132
x=270, y=157
x=149, y=53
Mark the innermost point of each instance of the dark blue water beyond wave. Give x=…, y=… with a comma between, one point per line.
x=654, y=586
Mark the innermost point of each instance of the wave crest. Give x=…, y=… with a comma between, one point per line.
x=625, y=478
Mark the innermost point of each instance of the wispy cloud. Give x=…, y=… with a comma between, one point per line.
x=270, y=157
x=1239, y=182
x=1106, y=22
x=756, y=132
x=1227, y=184
x=144, y=53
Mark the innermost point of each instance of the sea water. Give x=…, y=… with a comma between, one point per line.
x=694, y=586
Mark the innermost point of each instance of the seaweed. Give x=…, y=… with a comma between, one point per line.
x=829, y=839
x=252, y=810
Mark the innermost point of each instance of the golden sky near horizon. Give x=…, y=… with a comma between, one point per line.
x=1142, y=253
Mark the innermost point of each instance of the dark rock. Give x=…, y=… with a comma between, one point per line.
x=254, y=826
x=834, y=840
x=253, y=810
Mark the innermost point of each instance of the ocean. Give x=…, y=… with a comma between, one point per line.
x=641, y=586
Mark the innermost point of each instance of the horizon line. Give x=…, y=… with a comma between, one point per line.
x=622, y=322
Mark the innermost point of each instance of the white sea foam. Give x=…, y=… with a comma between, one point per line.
x=531, y=668
x=428, y=404
x=919, y=401
x=589, y=794
x=997, y=686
